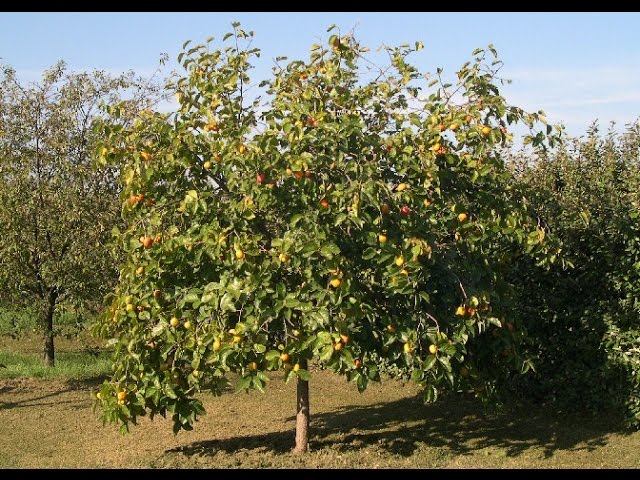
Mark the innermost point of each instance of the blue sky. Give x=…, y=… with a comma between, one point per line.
x=575, y=66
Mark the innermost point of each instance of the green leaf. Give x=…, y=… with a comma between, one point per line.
x=272, y=355
x=169, y=392
x=326, y=353
x=243, y=383
x=429, y=362
x=369, y=253
x=227, y=304
x=304, y=374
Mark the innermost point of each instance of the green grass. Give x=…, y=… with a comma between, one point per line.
x=77, y=357
x=70, y=365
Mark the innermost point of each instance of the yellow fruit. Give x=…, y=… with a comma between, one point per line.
x=211, y=127
x=296, y=367
x=433, y=349
x=239, y=254
x=284, y=357
x=337, y=346
x=435, y=147
x=460, y=311
x=382, y=238
x=462, y=217
x=122, y=395
x=237, y=339
x=128, y=299
x=335, y=282
x=296, y=333
x=216, y=345
x=401, y=187
x=253, y=366
x=130, y=307
x=139, y=270
x=99, y=396
x=390, y=328
x=408, y=348
x=187, y=325
x=196, y=373
x=454, y=126
x=174, y=322
x=400, y=261
x=404, y=272
x=344, y=338
x=468, y=118
x=121, y=402
x=207, y=165
x=242, y=149
x=284, y=258
x=427, y=202
x=486, y=131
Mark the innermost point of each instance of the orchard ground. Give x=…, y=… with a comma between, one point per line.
x=49, y=422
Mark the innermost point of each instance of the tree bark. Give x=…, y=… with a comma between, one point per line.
x=47, y=320
x=302, y=415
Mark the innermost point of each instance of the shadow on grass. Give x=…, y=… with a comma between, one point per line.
x=35, y=401
x=401, y=427
x=71, y=385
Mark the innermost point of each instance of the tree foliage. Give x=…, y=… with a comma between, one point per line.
x=56, y=209
x=359, y=217
x=584, y=320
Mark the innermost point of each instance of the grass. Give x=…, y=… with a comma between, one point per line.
x=76, y=359
x=53, y=425
x=77, y=365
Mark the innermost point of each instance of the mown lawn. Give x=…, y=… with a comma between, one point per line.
x=48, y=422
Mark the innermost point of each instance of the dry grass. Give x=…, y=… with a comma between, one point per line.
x=49, y=423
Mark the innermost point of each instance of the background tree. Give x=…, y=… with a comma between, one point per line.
x=584, y=321
x=348, y=221
x=56, y=209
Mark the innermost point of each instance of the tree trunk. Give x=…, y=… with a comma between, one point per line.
x=47, y=321
x=302, y=415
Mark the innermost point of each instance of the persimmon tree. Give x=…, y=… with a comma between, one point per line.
x=355, y=218
x=56, y=209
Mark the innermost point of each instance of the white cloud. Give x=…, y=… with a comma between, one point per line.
x=578, y=95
